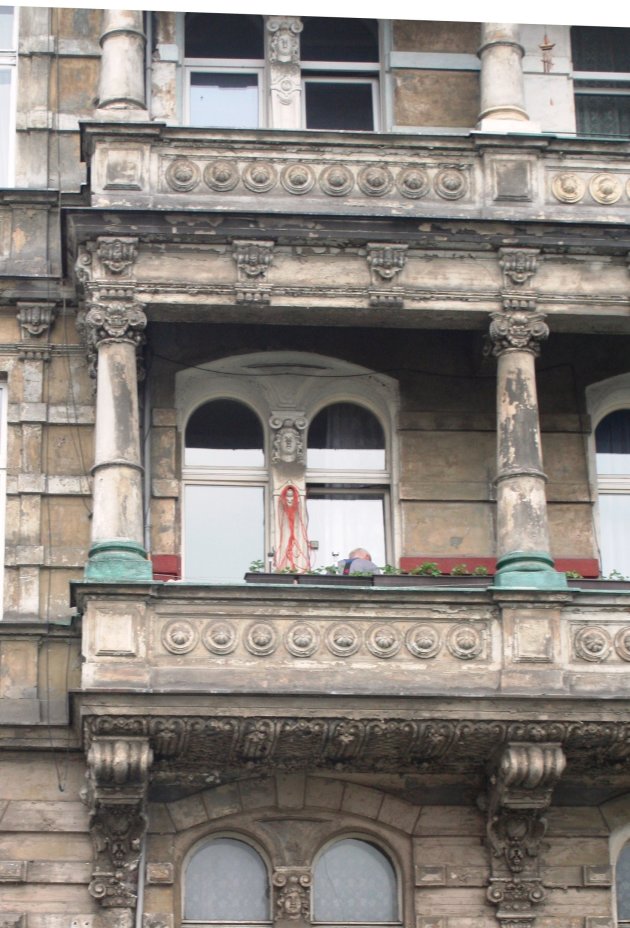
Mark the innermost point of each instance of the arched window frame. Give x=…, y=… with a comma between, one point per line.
x=377, y=842
x=259, y=380
x=603, y=398
x=208, y=839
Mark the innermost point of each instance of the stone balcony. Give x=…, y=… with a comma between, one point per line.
x=478, y=175
x=264, y=676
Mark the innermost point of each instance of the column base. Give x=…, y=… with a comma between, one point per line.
x=530, y=569
x=111, y=561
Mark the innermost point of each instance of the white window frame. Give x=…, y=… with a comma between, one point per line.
x=8, y=63
x=322, y=384
x=226, y=66
x=4, y=394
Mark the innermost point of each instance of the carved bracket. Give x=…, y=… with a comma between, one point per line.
x=385, y=263
x=292, y=894
x=518, y=265
x=522, y=329
x=288, y=442
x=253, y=260
x=118, y=776
x=117, y=255
x=35, y=320
x=520, y=792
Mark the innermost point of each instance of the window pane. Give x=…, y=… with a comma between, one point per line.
x=340, y=523
x=6, y=29
x=614, y=518
x=601, y=114
x=223, y=35
x=226, y=880
x=224, y=531
x=346, y=436
x=612, y=435
x=600, y=48
x=339, y=39
x=339, y=105
x=224, y=100
x=5, y=109
x=354, y=882
x=224, y=433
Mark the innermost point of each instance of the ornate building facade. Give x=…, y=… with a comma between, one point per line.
x=272, y=288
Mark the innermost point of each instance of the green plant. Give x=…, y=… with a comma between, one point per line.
x=257, y=567
x=460, y=570
x=616, y=575
x=391, y=570
x=426, y=569
x=480, y=571
x=573, y=575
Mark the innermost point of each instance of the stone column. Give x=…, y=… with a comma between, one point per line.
x=502, y=86
x=121, y=86
x=115, y=330
x=523, y=557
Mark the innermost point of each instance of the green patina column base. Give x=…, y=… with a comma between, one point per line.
x=530, y=569
x=111, y=561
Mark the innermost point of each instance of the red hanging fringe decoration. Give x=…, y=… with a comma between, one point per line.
x=293, y=551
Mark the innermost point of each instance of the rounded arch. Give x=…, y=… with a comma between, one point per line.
x=226, y=879
x=355, y=880
x=224, y=431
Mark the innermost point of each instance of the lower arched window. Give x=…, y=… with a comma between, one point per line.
x=355, y=882
x=612, y=446
x=622, y=883
x=226, y=881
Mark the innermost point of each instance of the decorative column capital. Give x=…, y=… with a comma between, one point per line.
x=119, y=320
x=385, y=262
x=36, y=321
x=517, y=329
x=284, y=41
x=118, y=777
x=253, y=260
x=520, y=791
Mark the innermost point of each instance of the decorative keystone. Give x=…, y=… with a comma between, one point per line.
x=288, y=441
x=292, y=894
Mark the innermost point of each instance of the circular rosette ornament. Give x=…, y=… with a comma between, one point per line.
x=413, y=183
x=343, y=640
x=336, y=180
x=301, y=640
x=605, y=188
x=260, y=177
x=297, y=179
x=375, y=180
x=450, y=184
x=219, y=638
x=182, y=175
x=622, y=643
x=179, y=637
x=464, y=642
x=383, y=641
x=261, y=639
x=423, y=641
x=567, y=188
x=592, y=643
x=221, y=176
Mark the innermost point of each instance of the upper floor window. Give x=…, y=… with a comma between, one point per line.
x=612, y=446
x=622, y=884
x=8, y=62
x=601, y=74
x=224, y=56
x=226, y=880
x=230, y=83
x=355, y=882
x=340, y=73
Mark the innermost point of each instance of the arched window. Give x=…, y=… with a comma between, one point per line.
x=347, y=481
x=354, y=881
x=224, y=492
x=226, y=880
x=622, y=883
x=612, y=446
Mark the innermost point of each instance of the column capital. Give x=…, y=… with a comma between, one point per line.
x=118, y=778
x=517, y=330
x=119, y=319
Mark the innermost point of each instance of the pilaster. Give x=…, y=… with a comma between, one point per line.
x=285, y=82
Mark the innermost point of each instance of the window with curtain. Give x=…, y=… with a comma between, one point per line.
x=347, y=483
x=226, y=881
x=601, y=76
x=612, y=446
x=355, y=882
x=8, y=63
x=224, y=491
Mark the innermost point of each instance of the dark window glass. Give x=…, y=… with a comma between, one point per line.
x=601, y=114
x=623, y=884
x=598, y=48
x=339, y=105
x=346, y=426
x=224, y=432
x=223, y=35
x=339, y=39
x=612, y=435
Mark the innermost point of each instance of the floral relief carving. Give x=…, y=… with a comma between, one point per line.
x=117, y=254
x=343, y=640
x=182, y=175
x=179, y=637
x=260, y=176
x=219, y=638
x=464, y=642
x=375, y=180
x=517, y=329
x=423, y=641
x=592, y=643
x=261, y=639
x=302, y=640
x=622, y=643
x=413, y=183
x=336, y=180
x=568, y=187
x=221, y=175
x=297, y=179
x=605, y=188
x=450, y=184
x=383, y=641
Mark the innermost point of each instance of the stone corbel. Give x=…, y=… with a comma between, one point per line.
x=117, y=255
x=253, y=260
x=288, y=439
x=36, y=322
x=385, y=263
x=118, y=776
x=292, y=895
x=518, y=266
x=520, y=791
